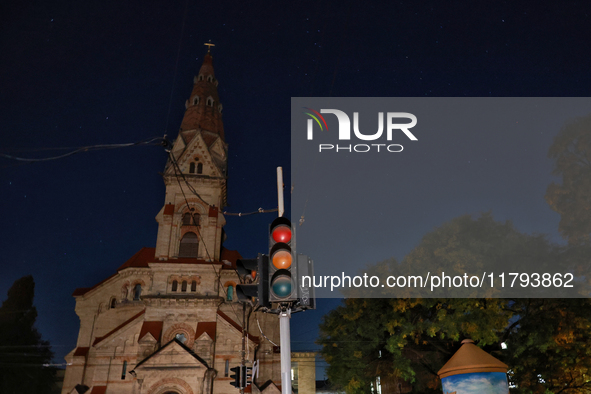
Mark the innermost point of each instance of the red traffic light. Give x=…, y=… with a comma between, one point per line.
x=281, y=230
x=281, y=233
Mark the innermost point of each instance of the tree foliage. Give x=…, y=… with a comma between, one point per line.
x=22, y=351
x=409, y=340
x=571, y=152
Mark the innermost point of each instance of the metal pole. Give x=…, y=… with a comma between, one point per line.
x=280, y=191
x=285, y=345
x=243, y=361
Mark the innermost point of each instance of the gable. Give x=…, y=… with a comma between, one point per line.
x=197, y=151
x=117, y=332
x=151, y=331
x=173, y=353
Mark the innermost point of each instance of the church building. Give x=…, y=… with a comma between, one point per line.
x=167, y=322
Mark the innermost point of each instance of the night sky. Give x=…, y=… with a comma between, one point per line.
x=76, y=74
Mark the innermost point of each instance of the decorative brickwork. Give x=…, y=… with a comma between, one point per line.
x=167, y=384
x=180, y=328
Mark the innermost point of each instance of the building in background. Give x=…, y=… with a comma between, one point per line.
x=167, y=322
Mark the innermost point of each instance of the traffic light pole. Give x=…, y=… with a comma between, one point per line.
x=285, y=345
x=243, y=361
x=280, y=204
x=285, y=313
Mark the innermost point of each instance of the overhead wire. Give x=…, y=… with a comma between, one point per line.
x=83, y=149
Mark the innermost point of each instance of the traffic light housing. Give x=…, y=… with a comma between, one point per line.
x=257, y=271
x=305, y=289
x=238, y=374
x=282, y=286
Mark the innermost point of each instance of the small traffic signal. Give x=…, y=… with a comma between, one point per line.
x=256, y=270
x=238, y=376
x=282, y=272
x=305, y=291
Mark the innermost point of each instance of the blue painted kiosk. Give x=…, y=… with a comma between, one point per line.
x=471, y=370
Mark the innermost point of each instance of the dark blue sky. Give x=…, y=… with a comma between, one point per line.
x=104, y=72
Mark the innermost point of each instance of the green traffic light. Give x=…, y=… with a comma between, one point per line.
x=282, y=286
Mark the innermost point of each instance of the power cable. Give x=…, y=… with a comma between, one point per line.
x=84, y=149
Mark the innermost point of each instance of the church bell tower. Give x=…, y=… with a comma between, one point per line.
x=190, y=223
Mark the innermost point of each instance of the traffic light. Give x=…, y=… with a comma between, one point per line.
x=252, y=373
x=258, y=271
x=305, y=290
x=238, y=376
x=282, y=272
x=247, y=376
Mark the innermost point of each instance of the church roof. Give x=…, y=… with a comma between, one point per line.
x=81, y=351
x=152, y=327
x=204, y=110
x=147, y=255
x=206, y=327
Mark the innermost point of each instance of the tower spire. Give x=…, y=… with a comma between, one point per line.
x=203, y=108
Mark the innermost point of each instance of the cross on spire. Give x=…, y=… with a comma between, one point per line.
x=209, y=45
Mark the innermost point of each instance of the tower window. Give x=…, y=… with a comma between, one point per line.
x=191, y=219
x=189, y=245
x=175, y=285
x=195, y=100
x=124, y=370
x=227, y=369
x=200, y=77
x=200, y=168
x=181, y=337
x=210, y=102
x=137, y=292
x=220, y=108
x=230, y=293
x=192, y=168
x=209, y=78
x=194, y=286
x=112, y=303
x=184, y=286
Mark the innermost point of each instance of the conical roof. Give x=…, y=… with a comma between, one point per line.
x=203, y=108
x=469, y=359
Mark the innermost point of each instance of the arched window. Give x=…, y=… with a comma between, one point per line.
x=192, y=168
x=112, y=303
x=184, y=286
x=187, y=219
x=210, y=102
x=195, y=100
x=200, y=77
x=175, y=285
x=191, y=219
x=137, y=292
x=194, y=286
x=189, y=245
x=230, y=293
x=209, y=78
x=220, y=108
x=200, y=168
x=181, y=337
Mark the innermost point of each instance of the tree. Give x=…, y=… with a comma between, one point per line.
x=409, y=340
x=571, y=151
x=22, y=351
